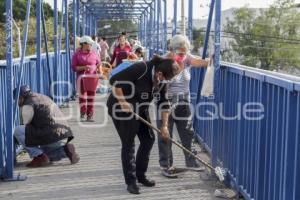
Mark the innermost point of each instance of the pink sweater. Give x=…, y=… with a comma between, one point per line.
x=81, y=58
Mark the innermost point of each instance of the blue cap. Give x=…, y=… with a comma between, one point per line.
x=24, y=91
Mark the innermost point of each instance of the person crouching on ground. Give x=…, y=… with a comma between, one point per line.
x=44, y=133
x=144, y=82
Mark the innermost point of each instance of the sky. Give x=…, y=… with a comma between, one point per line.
x=201, y=7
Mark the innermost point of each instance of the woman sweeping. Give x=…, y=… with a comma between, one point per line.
x=133, y=89
x=86, y=62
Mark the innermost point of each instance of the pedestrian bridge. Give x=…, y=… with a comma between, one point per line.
x=250, y=126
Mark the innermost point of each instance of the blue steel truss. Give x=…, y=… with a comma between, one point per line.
x=150, y=15
x=248, y=150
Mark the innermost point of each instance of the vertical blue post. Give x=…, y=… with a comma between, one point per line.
x=150, y=42
x=75, y=32
x=91, y=28
x=91, y=24
x=25, y=37
x=86, y=23
x=67, y=40
x=83, y=20
x=60, y=65
x=38, y=13
x=190, y=25
x=8, y=173
x=211, y=11
x=165, y=26
x=145, y=39
x=153, y=25
x=140, y=27
x=198, y=72
x=74, y=21
x=55, y=71
x=142, y=22
x=175, y=19
x=78, y=17
x=217, y=80
x=96, y=26
x=158, y=26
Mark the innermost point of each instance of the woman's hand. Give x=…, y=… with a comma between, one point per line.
x=87, y=68
x=83, y=68
x=164, y=133
x=126, y=107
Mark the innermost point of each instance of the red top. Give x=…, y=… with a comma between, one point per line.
x=81, y=58
x=120, y=54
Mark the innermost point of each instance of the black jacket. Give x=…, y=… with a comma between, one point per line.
x=138, y=89
x=47, y=125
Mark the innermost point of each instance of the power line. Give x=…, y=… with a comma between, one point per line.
x=257, y=35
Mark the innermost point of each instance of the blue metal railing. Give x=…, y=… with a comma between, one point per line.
x=260, y=148
x=32, y=77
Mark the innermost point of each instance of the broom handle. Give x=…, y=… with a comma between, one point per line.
x=174, y=142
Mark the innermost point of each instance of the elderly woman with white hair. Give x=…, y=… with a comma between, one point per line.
x=179, y=95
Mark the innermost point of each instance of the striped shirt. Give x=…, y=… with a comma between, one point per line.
x=181, y=83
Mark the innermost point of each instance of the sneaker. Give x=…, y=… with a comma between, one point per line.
x=82, y=117
x=169, y=172
x=90, y=119
x=39, y=161
x=71, y=154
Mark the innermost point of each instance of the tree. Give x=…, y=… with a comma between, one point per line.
x=198, y=38
x=19, y=10
x=116, y=27
x=267, y=38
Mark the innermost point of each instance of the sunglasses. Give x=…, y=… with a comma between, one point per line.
x=180, y=53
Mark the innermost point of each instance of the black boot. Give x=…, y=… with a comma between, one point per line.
x=133, y=188
x=146, y=182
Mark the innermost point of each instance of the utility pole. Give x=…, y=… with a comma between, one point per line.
x=183, y=18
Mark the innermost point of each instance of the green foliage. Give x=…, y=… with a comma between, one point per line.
x=268, y=39
x=198, y=38
x=19, y=10
x=116, y=27
x=31, y=37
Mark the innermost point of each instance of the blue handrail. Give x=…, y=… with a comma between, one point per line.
x=30, y=77
x=261, y=148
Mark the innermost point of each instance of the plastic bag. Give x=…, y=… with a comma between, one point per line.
x=208, y=82
x=90, y=81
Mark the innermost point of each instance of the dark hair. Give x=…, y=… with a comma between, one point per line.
x=94, y=37
x=104, y=38
x=121, y=36
x=168, y=67
x=25, y=91
x=138, y=50
x=124, y=33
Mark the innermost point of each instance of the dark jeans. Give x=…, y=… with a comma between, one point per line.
x=181, y=116
x=134, y=168
x=54, y=151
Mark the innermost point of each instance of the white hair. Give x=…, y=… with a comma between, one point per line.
x=179, y=41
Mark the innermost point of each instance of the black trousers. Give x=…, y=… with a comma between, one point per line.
x=134, y=167
x=181, y=115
